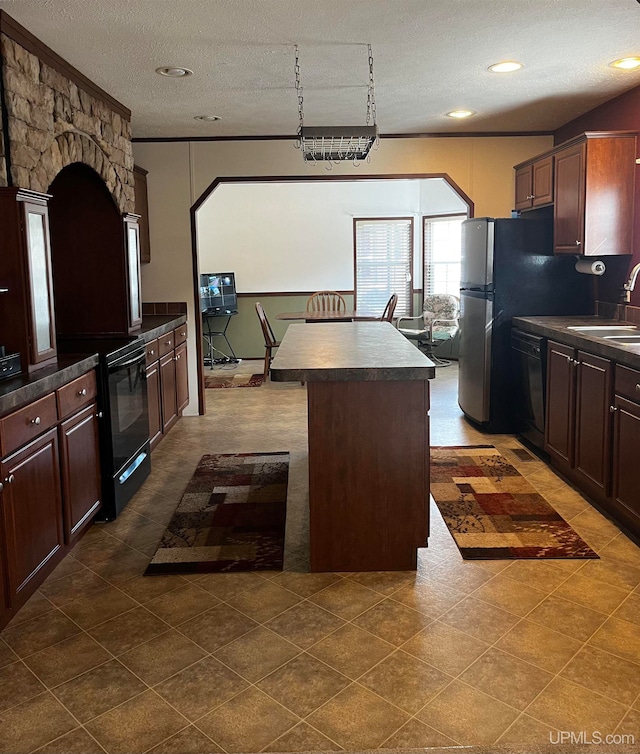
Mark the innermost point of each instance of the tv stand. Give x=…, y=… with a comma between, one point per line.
x=217, y=332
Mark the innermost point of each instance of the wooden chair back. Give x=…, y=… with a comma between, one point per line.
x=269, y=338
x=390, y=308
x=326, y=301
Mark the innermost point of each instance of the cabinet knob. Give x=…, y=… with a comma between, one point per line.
x=177, y=357
x=578, y=243
x=36, y=421
x=638, y=388
x=613, y=409
x=10, y=479
x=82, y=392
x=167, y=342
x=151, y=352
x=1, y=486
x=99, y=415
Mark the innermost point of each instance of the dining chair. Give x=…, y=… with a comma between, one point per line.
x=326, y=301
x=439, y=322
x=270, y=341
x=390, y=308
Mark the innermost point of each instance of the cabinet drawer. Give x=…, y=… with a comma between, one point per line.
x=180, y=334
x=23, y=425
x=165, y=343
x=151, y=351
x=76, y=394
x=627, y=383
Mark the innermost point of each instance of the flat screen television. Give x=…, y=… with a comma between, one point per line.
x=218, y=293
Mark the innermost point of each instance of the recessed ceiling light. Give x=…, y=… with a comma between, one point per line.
x=626, y=63
x=174, y=72
x=507, y=66
x=207, y=118
x=461, y=113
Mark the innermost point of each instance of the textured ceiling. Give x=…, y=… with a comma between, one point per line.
x=430, y=57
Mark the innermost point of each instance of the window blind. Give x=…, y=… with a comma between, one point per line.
x=442, y=238
x=383, y=263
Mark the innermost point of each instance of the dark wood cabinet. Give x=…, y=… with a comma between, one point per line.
x=578, y=437
x=594, y=381
x=4, y=592
x=534, y=184
x=182, y=377
x=594, y=195
x=590, y=182
x=155, y=403
x=80, y=456
x=168, y=391
x=142, y=209
x=31, y=512
x=559, y=429
x=625, y=490
x=27, y=323
x=568, y=218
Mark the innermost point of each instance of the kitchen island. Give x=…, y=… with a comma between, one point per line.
x=368, y=403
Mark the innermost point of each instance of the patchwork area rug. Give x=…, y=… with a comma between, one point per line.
x=233, y=380
x=231, y=517
x=493, y=512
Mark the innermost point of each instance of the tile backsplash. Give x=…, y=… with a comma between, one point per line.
x=622, y=312
x=164, y=307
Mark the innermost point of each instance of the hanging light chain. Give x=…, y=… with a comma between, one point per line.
x=371, y=95
x=299, y=88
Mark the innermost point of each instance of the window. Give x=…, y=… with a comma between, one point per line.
x=442, y=248
x=383, y=263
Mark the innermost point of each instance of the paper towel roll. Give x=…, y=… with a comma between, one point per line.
x=590, y=267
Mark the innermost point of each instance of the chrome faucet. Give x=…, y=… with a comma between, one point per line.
x=630, y=284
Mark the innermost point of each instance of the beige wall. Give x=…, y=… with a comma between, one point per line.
x=179, y=172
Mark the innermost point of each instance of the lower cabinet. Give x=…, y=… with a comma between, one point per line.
x=31, y=512
x=168, y=391
x=49, y=486
x=593, y=428
x=625, y=489
x=80, y=455
x=167, y=381
x=155, y=403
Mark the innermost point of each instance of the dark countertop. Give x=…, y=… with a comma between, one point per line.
x=345, y=351
x=27, y=387
x=556, y=328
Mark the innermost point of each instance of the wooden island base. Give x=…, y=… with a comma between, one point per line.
x=368, y=400
x=368, y=474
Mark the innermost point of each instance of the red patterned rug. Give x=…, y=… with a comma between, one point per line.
x=493, y=512
x=233, y=380
x=231, y=517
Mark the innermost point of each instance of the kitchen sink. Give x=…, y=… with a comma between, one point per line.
x=607, y=331
x=623, y=340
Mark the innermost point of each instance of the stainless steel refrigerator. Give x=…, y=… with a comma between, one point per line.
x=508, y=270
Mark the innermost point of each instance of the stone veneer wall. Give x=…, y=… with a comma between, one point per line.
x=53, y=123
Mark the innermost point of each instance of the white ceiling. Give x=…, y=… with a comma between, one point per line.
x=430, y=57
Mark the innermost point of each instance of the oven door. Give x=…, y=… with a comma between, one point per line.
x=128, y=406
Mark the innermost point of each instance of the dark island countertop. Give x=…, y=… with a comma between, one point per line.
x=557, y=328
x=29, y=386
x=356, y=351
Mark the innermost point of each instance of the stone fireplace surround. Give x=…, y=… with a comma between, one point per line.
x=51, y=116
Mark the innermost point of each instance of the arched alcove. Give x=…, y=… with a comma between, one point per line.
x=87, y=251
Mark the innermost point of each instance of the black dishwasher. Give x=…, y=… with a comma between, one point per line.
x=530, y=377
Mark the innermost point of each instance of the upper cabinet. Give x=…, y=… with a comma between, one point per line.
x=590, y=181
x=132, y=248
x=534, y=184
x=27, y=323
x=142, y=209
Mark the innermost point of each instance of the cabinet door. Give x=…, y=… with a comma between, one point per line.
x=80, y=454
x=593, y=420
x=32, y=511
x=168, y=391
x=155, y=403
x=182, y=377
x=542, y=182
x=626, y=441
x=524, y=187
x=4, y=594
x=569, y=187
x=132, y=245
x=559, y=430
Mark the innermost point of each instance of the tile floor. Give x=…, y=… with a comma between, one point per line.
x=103, y=659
